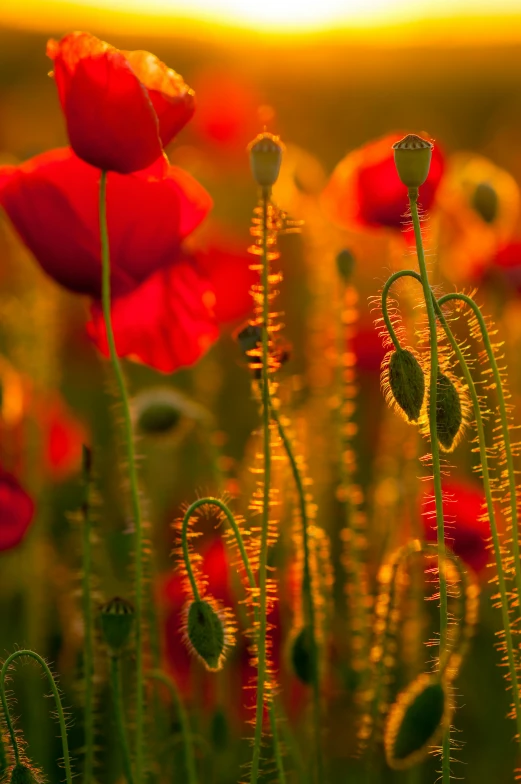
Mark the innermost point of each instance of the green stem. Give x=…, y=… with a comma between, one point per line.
x=88, y=634
x=132, y=472
x=57, y=700
x=436, y=466
x=504, y=426
x=3, y=755
x=115, y=684
x=276, y=747
x=263, y=558
x=509, y=642
x=170, y=684
x=307, y=589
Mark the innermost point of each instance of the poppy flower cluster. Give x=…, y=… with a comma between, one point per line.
x=121, y=109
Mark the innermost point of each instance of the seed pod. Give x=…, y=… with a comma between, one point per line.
x=345, y=264
x=21, y=774
x=449, y=416
x=265, y=159
x=407, y=383
x=485, y=201
x=206, y=635
x=302, y=656
x=412, y=157
x=117, y=620
x=415, y=720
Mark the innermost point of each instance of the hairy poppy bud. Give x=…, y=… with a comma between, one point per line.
x=205, y=632
x=485, y=201
x=117, y=619
x=449, y=416
x=407, y=382
x=302, y=656
x=345, y=264
x=412, y=157
x=414, y=721
x=265, y=159
x=21, y=774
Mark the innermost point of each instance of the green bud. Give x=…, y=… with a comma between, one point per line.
x=21, y=774
x=265, y=159
x=117, y=620
x=449, y=417
x=206, y=634
x=407, y=383
x=412, y=157
x=302, y=656
x=345, y=263
x=158, y=417
x=414, y=723
x=485, y=201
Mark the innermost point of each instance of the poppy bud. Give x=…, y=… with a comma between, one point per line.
x=449, y=416
x=407, y=383
x=117, y=619
x=302, y=656
x=412, y=158
x=205, y=631
x=21, y=774
x=345, y=263
x=265, y=159
x=414, y=722
x=485, y=201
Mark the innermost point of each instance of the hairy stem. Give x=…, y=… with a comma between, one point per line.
x=57, y=700
x=119, y=713
x=132, y=474
x=88, y=633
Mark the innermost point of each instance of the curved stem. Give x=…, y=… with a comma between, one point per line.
x=57, y=700
x=263, y=557
x=436, y=466
x=307, y=588
x=132, y=474
x=115, y=683
x=170, y=684
x=88, y=635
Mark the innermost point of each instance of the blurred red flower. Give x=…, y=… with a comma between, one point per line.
x=366, y=344
x=63, y=438
x=227, y=267
x=121, y=108
x=52, y=201
x=506, y=264
x=16, y=511
x=166, y=323
x=365, y=189
x=466, y=533
x=226, y=110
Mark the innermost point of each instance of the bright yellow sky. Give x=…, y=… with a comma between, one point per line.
x=487, y=18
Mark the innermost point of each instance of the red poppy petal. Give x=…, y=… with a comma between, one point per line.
x=194, y=201
x=228, y=270
x=16, y=511
x=166, y=323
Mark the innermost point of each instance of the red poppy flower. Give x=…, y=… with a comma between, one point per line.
x=507, y=264
x=63, y=437
x=121, y=108
x=16, y=511
x=52, y=201
x=365, y=189
x=366, y=344
x=226, y=110
x=166, y=323
x=227, y=267
x=466, y=533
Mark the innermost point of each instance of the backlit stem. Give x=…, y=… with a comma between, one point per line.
x=117, y=699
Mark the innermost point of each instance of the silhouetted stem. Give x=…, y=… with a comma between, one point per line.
x=57, y=700
x=170, y=684
x=132, y=474
x=115, y=683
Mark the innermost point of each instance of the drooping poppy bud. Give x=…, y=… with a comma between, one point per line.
x=302, y=656
x=449, y=414
x=485, y=201
x=412, y=157
x=414, y=722
x=117, y=620
x=407, y=383
x=22, y=774
x=160, y=411
x=265, y=159
x=345, y=264
x=206, y=633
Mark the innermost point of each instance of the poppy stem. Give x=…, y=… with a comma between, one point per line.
x=131, y=459
x=88, y=633
x=117, y=699
x=307, y=589
x=263, y=556
x=170, y=684
x=3, y=755
x=435, y=449
x=57, y=700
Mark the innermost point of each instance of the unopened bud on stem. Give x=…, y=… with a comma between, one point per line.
x=412, y=157
x=265, y=159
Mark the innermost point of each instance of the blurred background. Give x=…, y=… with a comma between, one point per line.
x=330, y=77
